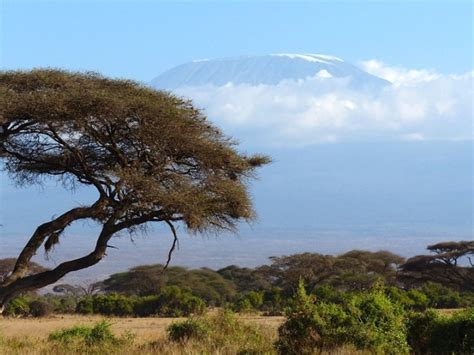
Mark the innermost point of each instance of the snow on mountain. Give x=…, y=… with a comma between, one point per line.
x=266, y=69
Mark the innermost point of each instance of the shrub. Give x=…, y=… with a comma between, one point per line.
x=380, y=324
x=420, y=301
x=40, y=308
x=431, y=332
x=147, y=306
x=273, y=302
x=85, y=306
x=174, y=302
x=441, y=296
x=369, y=321
x=328, y=294
x=113, y=304
x=99, y=334
x=420, y=330
x=248, y=302
x=222, y=333
x=190, y=328
x=17, y=307
x=61, y=304
x=300, y=334
x=70, y=334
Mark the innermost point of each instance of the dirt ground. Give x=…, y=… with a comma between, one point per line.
x=146, y=329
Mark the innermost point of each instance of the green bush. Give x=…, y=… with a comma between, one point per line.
x=174, y=302
x=222, y=333
x=85, y=306
x=248, y=302
x=369, y=321
x=66, y=305
x=430, y=332
x=147, y=306
x=328, y=294
x=441, y=296
x=380, y=325
x=420, y=330
x=273, y=302
x=300, y=334
x=18, y=306
x=40, y=308
x=99, y=334
x=116, y=305
x=420, y=301
x=188, y=329
x=70, y=334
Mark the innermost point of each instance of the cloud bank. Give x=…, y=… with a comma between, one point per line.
x=418, y=105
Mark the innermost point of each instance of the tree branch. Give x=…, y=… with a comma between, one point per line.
x=173, y=246
x=43, y=231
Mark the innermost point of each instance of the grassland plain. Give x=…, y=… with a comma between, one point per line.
x=146, y=335
x=146, y=329
x=30, y=335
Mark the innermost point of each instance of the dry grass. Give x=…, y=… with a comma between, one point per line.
x=30, y=336
x=146, y=329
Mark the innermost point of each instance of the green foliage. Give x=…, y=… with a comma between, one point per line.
x=171, y=302
x=221, y=332
x=99, y=334
x=329, y=294
x=190, y=328
x=380, y=326
x=174, y=302
x=70, y=334
x=85, y=306
x=306, y=328
x=65, y=305
x=249, y=302
x=420, y=329
x=113, y=304
x=430, y=332
x=369, y=321
x=441, y=296
x=273, y=302
x=40, y=308
x=19, y=306
x=147, y=280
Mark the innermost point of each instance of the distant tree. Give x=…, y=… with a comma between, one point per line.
x=148, y=280
x=247, y=279
x=7, y=265
x=360, y=269
x=151, y=157
x=450, y=264
x=354, y=270
x=77, y=290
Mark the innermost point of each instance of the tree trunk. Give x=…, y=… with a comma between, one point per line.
x=33, y=282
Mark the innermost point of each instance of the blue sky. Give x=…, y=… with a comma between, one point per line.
x=411, y=185
x=141, y=39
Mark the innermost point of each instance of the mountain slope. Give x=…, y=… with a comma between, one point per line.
x=265, y=69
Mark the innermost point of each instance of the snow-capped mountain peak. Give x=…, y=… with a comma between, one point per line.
x=322, y=58
x=264, y=70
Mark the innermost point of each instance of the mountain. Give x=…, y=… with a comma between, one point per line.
x=265, y=69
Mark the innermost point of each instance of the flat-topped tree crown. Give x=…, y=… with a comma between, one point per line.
x=150, y=155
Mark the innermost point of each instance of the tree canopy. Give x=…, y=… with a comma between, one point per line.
x=151, y=157
x=449, y=264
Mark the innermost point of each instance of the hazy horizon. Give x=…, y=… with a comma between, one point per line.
x=371, y=138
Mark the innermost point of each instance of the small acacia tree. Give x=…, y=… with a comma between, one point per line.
x=450, y=264
x=151, y=156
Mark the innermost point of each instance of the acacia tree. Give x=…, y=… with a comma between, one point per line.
x=450, y=264
x=151, y=157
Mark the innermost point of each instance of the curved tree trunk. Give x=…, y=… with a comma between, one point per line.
x=36, y=281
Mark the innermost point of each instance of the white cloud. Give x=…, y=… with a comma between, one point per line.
x=399, y=75
x=420, y=105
